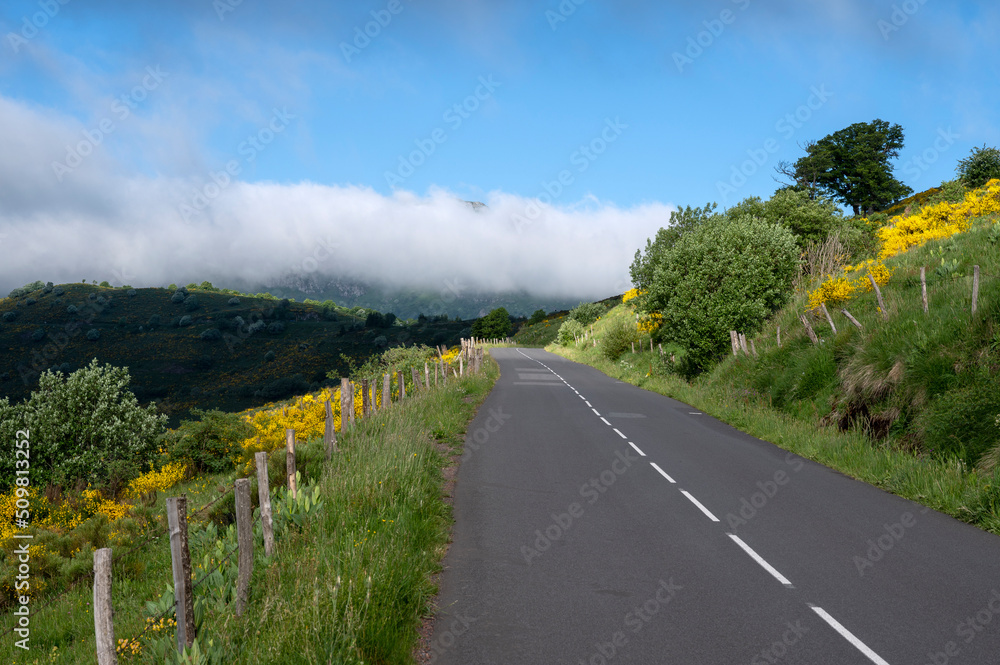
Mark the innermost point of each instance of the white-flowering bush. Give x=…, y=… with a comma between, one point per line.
x=84, y=428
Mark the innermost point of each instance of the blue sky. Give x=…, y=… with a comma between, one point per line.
x=610, y=113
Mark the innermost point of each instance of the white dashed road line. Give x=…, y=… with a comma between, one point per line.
x=642, y=454
x=848, y=635
x=708, y=513
x=759, y=559
x=662, y=472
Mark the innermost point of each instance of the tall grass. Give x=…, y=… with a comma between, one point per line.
x=349, y=586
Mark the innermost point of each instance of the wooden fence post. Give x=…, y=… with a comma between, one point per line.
x=290, y=460
x=104, y=628
x=975, y=288
x=661, y=349
x=753, y=349
x=427, y=376
x=181, y=564
x=350, y=401
x=345, y=404
x=402, y=384
x=329, y=432
x=878, y=294
x=850, y=318
x=264, y=497
x=923, y=286
x=779, y=337
x=735, y=342
x=461, y=366
x=386, y=390
x=365, y=406
x=809, y=329
x=743, y=344
x=244, y=542
x=829, y=318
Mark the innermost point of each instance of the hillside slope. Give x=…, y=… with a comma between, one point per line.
x=910, y=401
x=210, y=352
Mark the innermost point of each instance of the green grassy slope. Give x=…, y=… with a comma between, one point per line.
x=177, y=367
x=910, y=403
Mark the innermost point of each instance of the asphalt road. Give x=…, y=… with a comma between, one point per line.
x=600, y=523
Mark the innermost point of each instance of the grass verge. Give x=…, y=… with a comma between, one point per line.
x=348, y=585
x=942, y=483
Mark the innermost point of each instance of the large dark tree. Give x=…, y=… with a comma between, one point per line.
x=495, y=325
x=852, y=166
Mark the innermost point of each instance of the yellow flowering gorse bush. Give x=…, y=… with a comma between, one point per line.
x=934, y=222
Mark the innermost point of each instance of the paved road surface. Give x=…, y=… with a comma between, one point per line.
x=600, y=523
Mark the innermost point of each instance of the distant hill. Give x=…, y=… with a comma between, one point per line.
x=452, y=299
x=199, y=348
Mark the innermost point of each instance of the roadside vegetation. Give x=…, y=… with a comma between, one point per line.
x=906, y=400
x=352, y=575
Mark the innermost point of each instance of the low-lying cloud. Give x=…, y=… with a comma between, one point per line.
x=97, y=223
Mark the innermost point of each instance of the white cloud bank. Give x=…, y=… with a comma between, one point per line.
x=97, y=223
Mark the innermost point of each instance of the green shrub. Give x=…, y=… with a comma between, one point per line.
x=726, y=274
x=569, y=331
x=233, y=302
x=618, y=338
x=981, y=166
x=184, y=321
x=30, y=301
x=85, y=428
x=962, y=422
x=211, y=335
x=93, y=334
x=72, y=309
x=38, y=335
x=191, y=303
x=537, y=317
x=587, y=312
x=10, y=316
x=177, y=298
x=211, y=443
